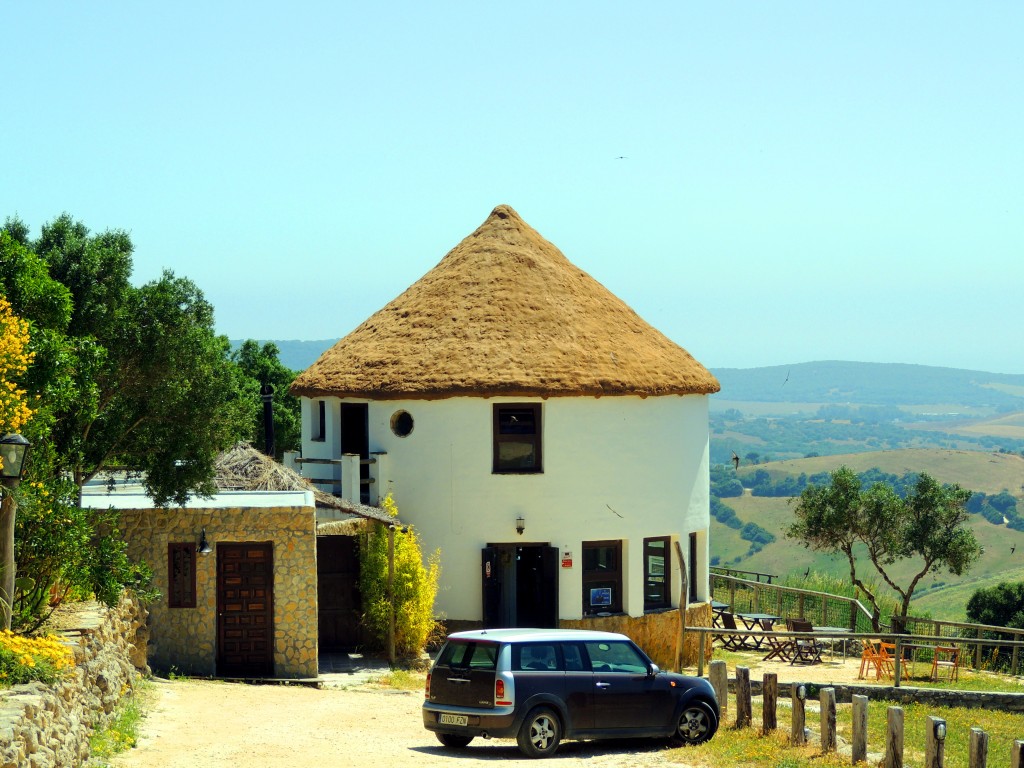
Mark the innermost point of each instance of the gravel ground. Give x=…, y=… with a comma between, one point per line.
x=210, y=724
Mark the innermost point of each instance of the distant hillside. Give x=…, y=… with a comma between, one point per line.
x=871, y=384
x=296, y=355
x=942, y=594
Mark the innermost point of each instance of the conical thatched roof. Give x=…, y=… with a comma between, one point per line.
x=504, y=313
x=243, y=468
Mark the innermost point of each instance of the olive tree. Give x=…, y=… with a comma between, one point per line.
x=926, y=529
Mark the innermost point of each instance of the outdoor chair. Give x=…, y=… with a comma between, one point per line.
x=732, y=642
x=870, y=657
x=806, y=650
x=779, y=647
x=948, y=658
x=887, y=662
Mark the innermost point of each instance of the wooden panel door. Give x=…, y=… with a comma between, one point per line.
x=337, y=566
x=245, y=609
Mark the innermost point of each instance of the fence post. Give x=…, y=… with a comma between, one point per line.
x=828, y=719
x=743, y=704
x=700, y=653
x=769, y=701
x=853, y=616
x=894, y=738
x=860, y=728
x=977, y=651
x=897, y=662
x=797, y=694
x=800, y=605
x=1013, y=659
x=934, y=742
x=978, y=752
x=757, y=598
x=824, y=612
x=1017, y=754
x=719, y=676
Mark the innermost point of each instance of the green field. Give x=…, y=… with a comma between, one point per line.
x=941, y=595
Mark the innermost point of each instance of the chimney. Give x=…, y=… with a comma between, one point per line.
x=267, y=393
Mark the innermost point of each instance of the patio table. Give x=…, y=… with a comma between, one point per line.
x=758, y=621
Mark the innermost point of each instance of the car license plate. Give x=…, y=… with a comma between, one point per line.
x=453, y=719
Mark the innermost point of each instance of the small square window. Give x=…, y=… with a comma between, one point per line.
x=517, y=438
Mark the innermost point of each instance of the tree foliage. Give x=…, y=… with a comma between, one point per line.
x=1000, y=606
x=260, y=366
x=413, y=588
x=928, y=526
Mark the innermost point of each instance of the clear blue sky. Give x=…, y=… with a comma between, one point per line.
x=801, y=181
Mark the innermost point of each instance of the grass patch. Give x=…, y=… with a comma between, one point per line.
x=122, y=733
x=734, y=747
x=402, y=680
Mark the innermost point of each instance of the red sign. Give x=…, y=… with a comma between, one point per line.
x=567, y=562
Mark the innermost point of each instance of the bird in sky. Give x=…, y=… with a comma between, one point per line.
x=622, y=157
x=807, y=572
x=787, y=378
x=1013, y=549
x=735, y=460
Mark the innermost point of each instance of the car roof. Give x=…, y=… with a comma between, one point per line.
x=520, y=635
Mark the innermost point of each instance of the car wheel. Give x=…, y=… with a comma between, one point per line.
x=452, y=740
x=697, y=723
x=540, y=733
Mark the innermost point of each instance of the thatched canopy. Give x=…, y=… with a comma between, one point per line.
x=243, y=468
x=504, y=313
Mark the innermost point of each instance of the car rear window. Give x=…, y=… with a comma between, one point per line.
x=470, y=655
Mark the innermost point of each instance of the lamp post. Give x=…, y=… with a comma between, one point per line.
x=13, y=451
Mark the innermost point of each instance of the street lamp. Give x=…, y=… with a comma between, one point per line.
x=13, y=450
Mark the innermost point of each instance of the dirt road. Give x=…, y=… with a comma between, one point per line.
x=208, y=724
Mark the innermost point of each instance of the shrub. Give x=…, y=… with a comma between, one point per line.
x=23, y=659
x=413, y=590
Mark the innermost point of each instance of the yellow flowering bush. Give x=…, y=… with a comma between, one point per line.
x=24, y=659
x=14, y=361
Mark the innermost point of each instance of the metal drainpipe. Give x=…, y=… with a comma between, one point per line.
x=267, y=393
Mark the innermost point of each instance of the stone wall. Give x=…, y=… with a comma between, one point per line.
x=48, y=726
x=184, y=640
x=656, y=633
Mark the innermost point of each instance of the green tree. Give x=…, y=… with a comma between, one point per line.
x=147, y=384
x=408, y=594
x=928, y=526
x=999, y=606
x=260, y=366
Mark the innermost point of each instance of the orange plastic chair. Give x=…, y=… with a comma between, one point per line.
x=888, y=661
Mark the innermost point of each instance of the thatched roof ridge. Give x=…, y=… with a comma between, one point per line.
x=243, y=468
x=504, y=313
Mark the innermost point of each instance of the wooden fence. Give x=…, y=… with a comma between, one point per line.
x=820, y=608
x=935, y=734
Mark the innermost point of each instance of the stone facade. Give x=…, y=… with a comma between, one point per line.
x=184, y=640
x=656, y=633
x=48, y=726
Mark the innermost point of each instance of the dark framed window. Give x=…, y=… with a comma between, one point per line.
x=693, y=567
x=517, y=438
x=181, y=575
x=602, y=577
x=657, y=573
x=319, y=420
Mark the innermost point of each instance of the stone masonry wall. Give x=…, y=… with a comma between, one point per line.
x=48, y=726
x=184, y=640
x=656, y=633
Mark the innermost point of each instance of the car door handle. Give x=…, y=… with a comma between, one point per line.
x=458, y=680
x=602, y=685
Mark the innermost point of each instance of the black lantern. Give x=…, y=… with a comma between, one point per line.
x=13, y=451
x=204, y=547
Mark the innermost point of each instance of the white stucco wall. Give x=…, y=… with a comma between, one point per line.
x=614, y=468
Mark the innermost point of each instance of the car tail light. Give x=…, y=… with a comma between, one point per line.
x=427, y=693
x=499, y=689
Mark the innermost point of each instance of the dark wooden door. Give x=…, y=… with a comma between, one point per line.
x=245, y=609
x=337, y=578
x=355, y=438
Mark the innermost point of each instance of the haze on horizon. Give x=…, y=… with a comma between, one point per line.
x=766, y=185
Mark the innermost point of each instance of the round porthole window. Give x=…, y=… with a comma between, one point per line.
x=401, y=423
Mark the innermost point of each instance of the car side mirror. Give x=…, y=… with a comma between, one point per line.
x=652, y=670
